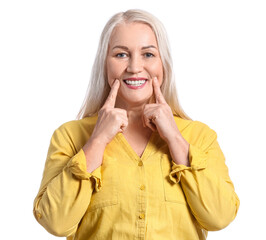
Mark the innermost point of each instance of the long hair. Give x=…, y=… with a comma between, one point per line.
x=99, y=88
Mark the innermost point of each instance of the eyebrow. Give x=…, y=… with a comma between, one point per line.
x=126, y=48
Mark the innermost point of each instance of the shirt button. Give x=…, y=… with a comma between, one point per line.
x=142, y=216
x=140, y=163
x=142, y=187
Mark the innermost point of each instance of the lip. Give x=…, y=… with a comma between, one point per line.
x=135, y=79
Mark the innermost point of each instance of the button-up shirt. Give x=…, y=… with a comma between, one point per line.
x=131, y=197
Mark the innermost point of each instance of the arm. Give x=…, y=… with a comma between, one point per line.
x=66, y=186
x=199, y=166
x=206, y=184
x=70, y=176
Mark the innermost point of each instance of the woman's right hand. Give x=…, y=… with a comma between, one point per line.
x=111, y=120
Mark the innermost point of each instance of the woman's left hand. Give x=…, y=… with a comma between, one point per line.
x=159, y=116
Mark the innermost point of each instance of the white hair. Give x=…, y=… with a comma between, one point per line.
x=99, y=88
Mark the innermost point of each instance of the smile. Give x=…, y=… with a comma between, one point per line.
x=135, y=83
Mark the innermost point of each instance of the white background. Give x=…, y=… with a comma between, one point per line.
x=46, y=53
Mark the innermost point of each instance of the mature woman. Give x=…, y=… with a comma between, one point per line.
x=134, y=166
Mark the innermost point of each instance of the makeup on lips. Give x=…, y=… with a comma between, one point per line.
x=135, y=83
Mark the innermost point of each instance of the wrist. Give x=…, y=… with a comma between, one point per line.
x=179, y=149
x=175, y=138
x=93, y=150
x=97, y=141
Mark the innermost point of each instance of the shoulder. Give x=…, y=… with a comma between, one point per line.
x=87, y=123
x=76, y=131
x=194, y=131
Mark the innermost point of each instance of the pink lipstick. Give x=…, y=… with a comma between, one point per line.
x=135, y=83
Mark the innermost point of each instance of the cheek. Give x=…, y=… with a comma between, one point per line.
x=114, y=70
x=110, y=72
x=156, y=69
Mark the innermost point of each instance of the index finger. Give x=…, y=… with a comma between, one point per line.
x=157, y=91
x=110, y=101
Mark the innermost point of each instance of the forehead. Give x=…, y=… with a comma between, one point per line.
x=132, y=34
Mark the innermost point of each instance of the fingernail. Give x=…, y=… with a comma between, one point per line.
x=155, y=79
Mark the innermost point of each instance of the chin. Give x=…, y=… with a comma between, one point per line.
x=136, y=101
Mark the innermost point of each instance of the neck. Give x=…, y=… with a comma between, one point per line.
x=134, y=111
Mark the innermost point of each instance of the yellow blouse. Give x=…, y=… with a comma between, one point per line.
x=129, y=197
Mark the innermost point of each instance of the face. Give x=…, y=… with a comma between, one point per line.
x=133, y=58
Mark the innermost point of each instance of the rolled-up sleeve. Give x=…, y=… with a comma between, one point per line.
x=77, y=165
x=206, y=183
x=197, y=160
x=66, y=186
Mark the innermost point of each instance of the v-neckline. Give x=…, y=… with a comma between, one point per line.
x=131, y=152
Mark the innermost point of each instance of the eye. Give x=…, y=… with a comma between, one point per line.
x=121, y=55
x=148, y=55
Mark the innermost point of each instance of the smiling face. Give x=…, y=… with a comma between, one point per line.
x=133, y=58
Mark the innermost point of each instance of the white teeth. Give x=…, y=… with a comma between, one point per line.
x=135, y=83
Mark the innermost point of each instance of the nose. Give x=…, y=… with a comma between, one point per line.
x=135, y=64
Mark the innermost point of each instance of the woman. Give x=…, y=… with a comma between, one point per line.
x=134, y=166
